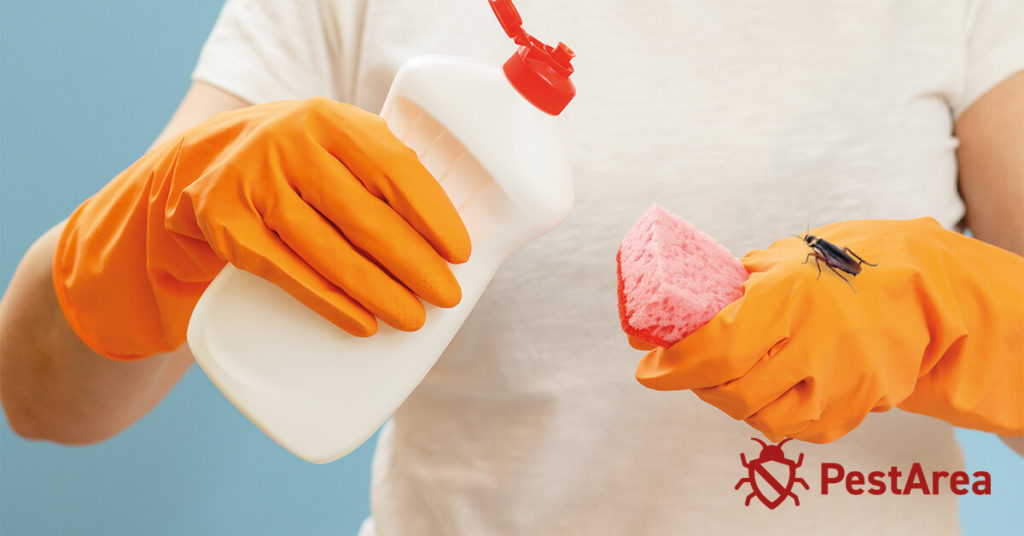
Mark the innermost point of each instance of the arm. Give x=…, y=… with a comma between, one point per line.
x=51, y=385
x=991, y=133
x=785, y=370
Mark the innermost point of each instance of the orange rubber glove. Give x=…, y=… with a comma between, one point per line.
x=936, y=328
x=315, y=196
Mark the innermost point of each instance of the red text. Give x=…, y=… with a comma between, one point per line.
x=880, y=482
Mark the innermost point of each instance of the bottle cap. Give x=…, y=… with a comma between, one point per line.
x=538, y=71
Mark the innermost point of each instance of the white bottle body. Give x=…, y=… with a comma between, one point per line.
x=321, y=392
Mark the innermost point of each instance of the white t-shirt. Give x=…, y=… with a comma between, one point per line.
x=751, y=122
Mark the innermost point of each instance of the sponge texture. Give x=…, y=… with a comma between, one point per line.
x=673, y=278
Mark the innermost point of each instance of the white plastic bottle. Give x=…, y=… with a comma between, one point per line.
x=488, y=135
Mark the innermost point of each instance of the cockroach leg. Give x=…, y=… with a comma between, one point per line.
x=817, y=262
x=818, y=257
x=830, y=267
x=862, y=261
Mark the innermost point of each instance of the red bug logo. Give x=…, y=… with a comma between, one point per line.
x=757, y=468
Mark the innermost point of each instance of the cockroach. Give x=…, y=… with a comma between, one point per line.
x=835, y=258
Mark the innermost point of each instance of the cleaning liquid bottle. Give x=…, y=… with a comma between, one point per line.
x=489, y=136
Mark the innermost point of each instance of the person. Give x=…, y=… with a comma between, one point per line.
x=749, y=121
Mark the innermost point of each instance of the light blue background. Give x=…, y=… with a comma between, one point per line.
x=86, y=86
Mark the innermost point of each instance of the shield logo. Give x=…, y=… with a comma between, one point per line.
x=771, y=475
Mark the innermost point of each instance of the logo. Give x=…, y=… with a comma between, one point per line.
x=761, y=473
x=917, y=480
x=772, y=477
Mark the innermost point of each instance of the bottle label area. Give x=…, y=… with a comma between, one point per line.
x=473, y=191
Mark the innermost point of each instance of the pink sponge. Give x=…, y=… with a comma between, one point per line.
x=672, y=278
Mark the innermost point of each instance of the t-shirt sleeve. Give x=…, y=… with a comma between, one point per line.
x=994, y=48
x=264, y=50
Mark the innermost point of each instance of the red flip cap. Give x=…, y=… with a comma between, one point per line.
x=539, y=72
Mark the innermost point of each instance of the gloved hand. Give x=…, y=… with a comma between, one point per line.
x=315, y=196
x=936, y=328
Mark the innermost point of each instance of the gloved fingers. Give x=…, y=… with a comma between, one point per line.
x=791, y=413
x=791, y=249
x=326, y=251
x=771, y=377
x=726, y=347
x=828, y=428
x=639, y=344
x=804, y=413
x=258, y=250
x=372, y=226
x=391, y=171
x=863, y=237
x=837, y=420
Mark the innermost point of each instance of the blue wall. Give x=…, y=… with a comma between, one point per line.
x=86, y=86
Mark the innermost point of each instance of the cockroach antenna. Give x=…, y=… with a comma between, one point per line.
x=801, y=236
